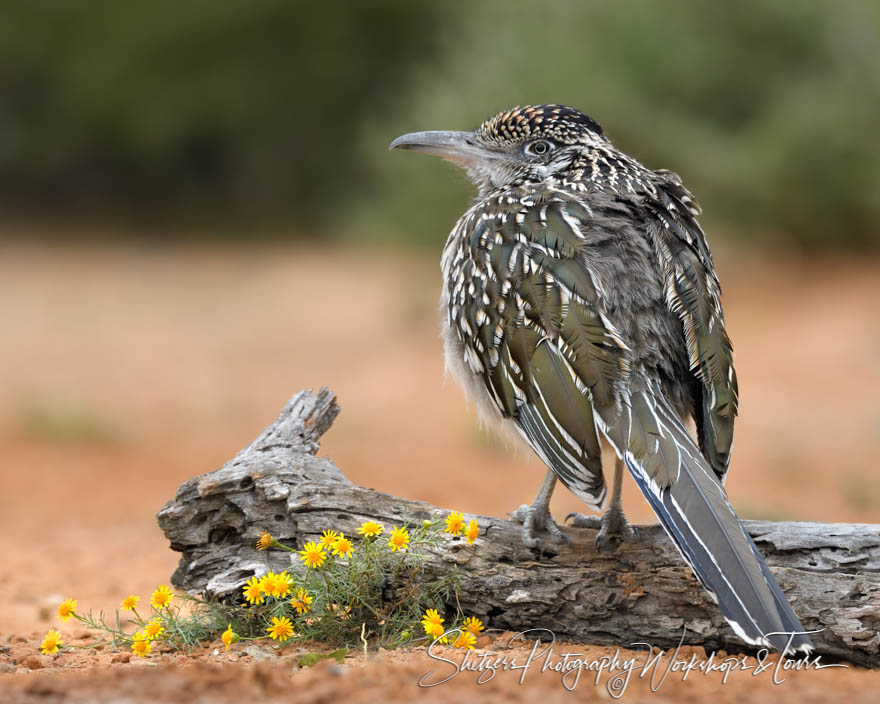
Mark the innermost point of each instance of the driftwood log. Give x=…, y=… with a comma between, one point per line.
x=642, y=593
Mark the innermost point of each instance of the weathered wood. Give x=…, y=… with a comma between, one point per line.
x=642, y=593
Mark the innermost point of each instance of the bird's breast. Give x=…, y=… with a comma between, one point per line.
x=524, y=267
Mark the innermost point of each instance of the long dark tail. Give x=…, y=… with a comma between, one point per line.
x=693, y=508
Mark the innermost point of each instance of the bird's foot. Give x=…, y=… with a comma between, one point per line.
x=536, y=518
x=613, y=528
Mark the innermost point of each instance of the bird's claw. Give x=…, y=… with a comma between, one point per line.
x=537, y=518
x=613, y=528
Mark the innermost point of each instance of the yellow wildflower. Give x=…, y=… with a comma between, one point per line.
x=281, y=629
x=275, y=584
x=312, y=554
x=454, y=523
x=66, y=609
x=301, y=602
x=267, y=583
x=474, y=625
x=399, y=539
x=253, y=591
x=436, y=631
x=465, y=640
x=472, y=531
x=283, y=582
x=432, y=619
x=130, y=603
x=342, y=546
x=229, y=636
x=328, y=537
x=371, y=529
x=141, y=645
x=154, y=629
x=265, y=541
x=161, y=597
x=51, y=642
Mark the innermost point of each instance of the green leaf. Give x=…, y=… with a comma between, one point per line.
x=312, y=659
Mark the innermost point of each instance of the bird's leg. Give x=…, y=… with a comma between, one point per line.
x=536, y=516
x=613, y=526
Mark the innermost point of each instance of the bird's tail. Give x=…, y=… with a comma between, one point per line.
x=693, y=508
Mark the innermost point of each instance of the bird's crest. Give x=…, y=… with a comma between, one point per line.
x=558, y=122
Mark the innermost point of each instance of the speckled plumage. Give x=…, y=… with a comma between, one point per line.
x=581, y=302
x=629, y=238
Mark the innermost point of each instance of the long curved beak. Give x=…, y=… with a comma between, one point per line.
x=457, y=146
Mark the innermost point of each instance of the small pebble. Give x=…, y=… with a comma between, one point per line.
x=143, y=662
x=32, y=663
x=258, y=653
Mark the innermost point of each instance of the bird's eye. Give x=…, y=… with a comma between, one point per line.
x=538, y=147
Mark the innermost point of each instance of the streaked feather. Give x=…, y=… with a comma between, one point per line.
x=699, y=519
x=693, y=293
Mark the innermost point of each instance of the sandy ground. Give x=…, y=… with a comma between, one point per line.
x=124, y=372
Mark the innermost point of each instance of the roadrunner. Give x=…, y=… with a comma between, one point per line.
x=581, y=303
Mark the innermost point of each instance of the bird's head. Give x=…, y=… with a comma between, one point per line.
x=522, y=145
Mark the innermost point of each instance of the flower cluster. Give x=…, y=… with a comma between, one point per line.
x=335, y=590
x=271, y=588
x=455, y=526
x=147, y=630
x=464, y=637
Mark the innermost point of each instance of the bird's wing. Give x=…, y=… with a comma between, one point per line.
x=694, y=294
x=533, y=328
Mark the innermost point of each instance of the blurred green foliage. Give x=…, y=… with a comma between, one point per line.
x=199, y=110
x=55, y=421
x=280, y=112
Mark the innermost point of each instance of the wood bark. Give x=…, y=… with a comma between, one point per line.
x=642, y=593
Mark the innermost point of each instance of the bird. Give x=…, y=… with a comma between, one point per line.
x=580, y=305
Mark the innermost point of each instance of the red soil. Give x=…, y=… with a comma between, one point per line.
x=125, y=372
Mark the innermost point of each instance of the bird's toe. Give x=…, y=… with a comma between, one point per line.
x=535, y=520
x=614, y=531
x=580, y=520
x=612, y=526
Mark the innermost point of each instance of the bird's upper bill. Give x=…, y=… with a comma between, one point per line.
x=457, y=146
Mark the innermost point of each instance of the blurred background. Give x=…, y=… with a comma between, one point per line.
x=199, y=217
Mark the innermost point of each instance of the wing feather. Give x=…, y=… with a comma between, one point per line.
x=535, y=331
x=694, y=294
